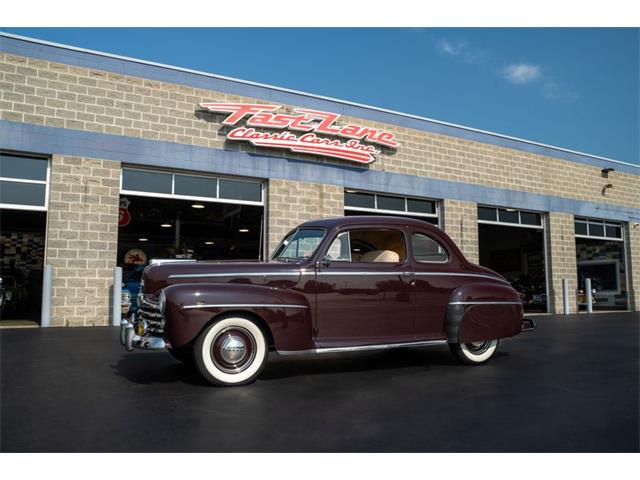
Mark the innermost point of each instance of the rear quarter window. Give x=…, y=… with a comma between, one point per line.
x=428, y=250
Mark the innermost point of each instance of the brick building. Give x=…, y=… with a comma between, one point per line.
x=110, y=161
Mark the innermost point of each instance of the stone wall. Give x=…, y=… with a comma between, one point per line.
x=291, y=203
x=561, y=244
x=460, y=221
x=82, y=235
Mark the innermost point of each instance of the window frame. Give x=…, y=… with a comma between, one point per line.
x=46, y=183
x=348, y=232
x=404, y=213
x=600, y=222
x=519, y=211
x=212, y=199
x=438, y=242
x=294, y=232
x=402, y=261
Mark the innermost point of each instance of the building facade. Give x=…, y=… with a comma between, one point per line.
x=109, y=161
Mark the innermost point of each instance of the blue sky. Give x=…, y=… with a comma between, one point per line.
x=573, y=88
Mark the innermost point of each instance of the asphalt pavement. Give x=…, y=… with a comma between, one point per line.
x=570, y=386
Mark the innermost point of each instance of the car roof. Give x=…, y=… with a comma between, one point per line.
x=330, y=223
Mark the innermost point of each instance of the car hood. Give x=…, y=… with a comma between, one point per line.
x=159, y=275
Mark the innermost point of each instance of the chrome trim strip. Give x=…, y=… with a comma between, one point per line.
x=485, y=303
x=361, y=348
x=421, y=274
x=236, y=274
x=329, y=272
x=458, y=274
x=230, y=305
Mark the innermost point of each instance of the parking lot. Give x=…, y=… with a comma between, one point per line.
x=572, y=385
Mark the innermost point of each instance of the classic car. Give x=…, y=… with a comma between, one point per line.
x=333, y=285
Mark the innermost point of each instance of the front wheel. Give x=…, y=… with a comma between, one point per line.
x=474, y=353
x=231, y=351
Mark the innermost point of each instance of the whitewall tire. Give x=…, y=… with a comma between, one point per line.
x=474, y=353
x=231, y=351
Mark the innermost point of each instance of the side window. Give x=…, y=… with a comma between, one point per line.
x=426, y=249
x=368, y=245
x=340, y=250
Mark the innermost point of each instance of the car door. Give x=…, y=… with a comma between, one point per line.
x=432, y=285
x=363, y=291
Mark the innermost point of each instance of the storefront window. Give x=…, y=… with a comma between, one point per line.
x=364, y=203
x=144, y=181
x=195, y=186
x=358, y=199
x=15, y=193
x=509, y=216
x=589, y=227
x=23, y=182
x=27, y=168
x=190, y=186
x=391, y=203
x=239, y=190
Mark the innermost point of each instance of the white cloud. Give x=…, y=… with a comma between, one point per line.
x=451, y=48
x=461, y=50
x=520, y=73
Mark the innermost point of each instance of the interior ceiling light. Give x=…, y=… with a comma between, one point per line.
x=208, y=243
x=197, y=205
x=143, y=239
x=243, y=230
x=165, y=225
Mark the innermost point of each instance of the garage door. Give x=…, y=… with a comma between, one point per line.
x=24, y=192
x=600, y=256
x=512, y=242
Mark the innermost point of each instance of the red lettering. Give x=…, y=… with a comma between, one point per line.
x=238, y=110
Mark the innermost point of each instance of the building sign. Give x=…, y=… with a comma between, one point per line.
x=300, y=132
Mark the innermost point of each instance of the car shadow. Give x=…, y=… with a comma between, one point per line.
x=156, y=367
x=159, y=367
x=326, y=364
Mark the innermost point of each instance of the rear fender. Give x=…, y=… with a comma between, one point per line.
x=483, y=311
x=285, y=313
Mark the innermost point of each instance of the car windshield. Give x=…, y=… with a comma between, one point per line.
x=300, y=244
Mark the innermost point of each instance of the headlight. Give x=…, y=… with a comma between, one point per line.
x=162, y=302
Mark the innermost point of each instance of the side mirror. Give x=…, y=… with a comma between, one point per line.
x=326, y=260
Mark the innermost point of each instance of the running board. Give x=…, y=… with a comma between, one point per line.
x=361, y=348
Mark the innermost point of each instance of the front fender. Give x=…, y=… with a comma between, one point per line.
x=285, y=313
x=483, y=311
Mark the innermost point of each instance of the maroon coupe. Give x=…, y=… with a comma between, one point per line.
x=337, y=285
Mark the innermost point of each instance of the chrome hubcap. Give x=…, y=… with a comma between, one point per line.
x=233, y=349
x=479, y=347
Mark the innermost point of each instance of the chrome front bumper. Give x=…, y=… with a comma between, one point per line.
x=130, y=340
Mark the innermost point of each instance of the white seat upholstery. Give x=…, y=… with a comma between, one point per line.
x=380, y=256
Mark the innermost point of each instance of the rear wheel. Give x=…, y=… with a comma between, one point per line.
x=231, y=351
x=474, y=353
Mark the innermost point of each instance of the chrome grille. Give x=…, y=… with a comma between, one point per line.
x=150, y=313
